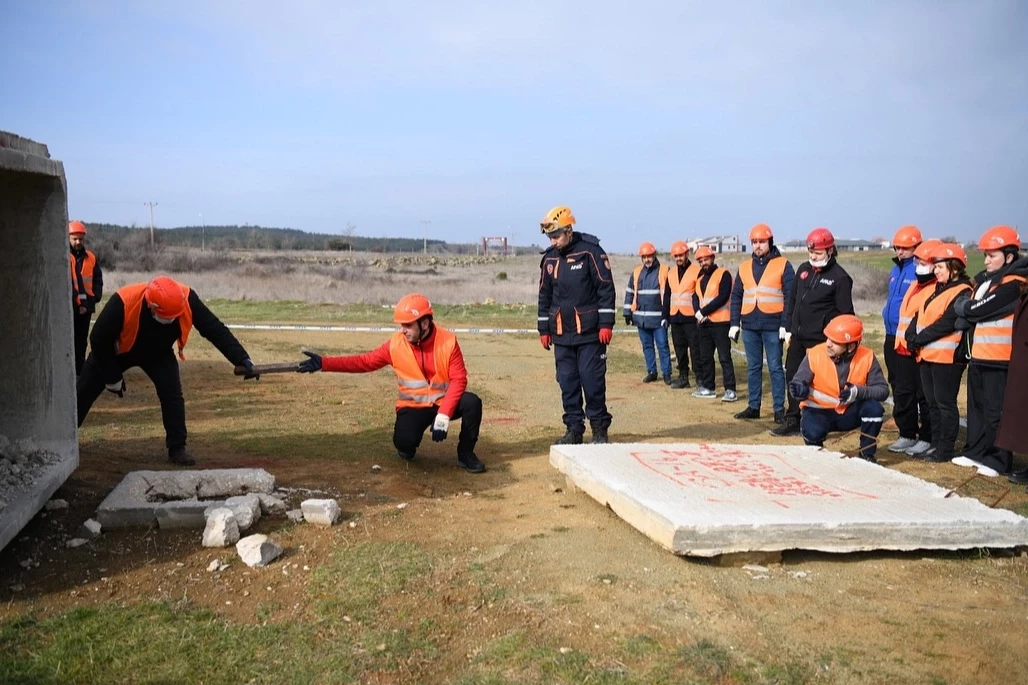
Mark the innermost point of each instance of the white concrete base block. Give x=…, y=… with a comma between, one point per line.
x=712, y=499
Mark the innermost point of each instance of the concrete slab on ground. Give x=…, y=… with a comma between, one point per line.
x=701, y=499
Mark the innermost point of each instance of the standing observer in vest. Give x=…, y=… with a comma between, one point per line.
x=87, y=287
x=576, y=317
x=901, y=278
x=915, y=426
x=710, y=300
x=991, y=311
x=680, y=313
x=934, y=335
x=644, y=308
x=821, y=291
x=841, y=387
x=762, y=287
x=431, y=381
x=138, y=327
x=1013, y=429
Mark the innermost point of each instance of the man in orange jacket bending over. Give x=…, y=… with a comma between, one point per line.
x=431, y=381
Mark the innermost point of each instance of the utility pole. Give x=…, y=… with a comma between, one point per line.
x=424, y=225
x=151, y=205
x=203, y=233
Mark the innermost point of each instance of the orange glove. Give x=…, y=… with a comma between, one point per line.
x=546, y=341
x=605, y=335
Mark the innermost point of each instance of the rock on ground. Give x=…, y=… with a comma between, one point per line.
x=321, y=512
x=258, y=550
x=222, y=529
x=271, y=505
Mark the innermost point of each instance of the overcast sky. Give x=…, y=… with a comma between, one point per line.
x=653, y=120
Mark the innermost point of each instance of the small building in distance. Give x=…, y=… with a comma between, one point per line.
x=841, y=244
x=721, y=243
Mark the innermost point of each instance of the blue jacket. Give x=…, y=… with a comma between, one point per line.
x=576, y=292
x=758, y=320
x=649, y=308
x=901, y=278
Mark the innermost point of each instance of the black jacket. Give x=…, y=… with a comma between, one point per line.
x=98, y=282
x=154, y=339
x=818, y=296
x=943, y=326
x=576, y=287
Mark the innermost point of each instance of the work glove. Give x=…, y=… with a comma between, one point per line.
x=309, y=365
x=733, y=333
x=784, y=335
x=605, y=335
x=439, y=427
x=799, y=389
x=546, y=341
x=628, y=319
x=700, y=317
x=249, y=371
x=961, y=324
x=116, y=388
x=663, y=324
x=848, y=394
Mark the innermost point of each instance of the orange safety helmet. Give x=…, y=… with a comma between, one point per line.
x=761, y=232
x=998, y=237
x=679, y=248
x=647, y=249
x=76, y=227
x=925, y=249
x=703, y=251
x=907, y=236
x=557, y=219
x=165, y=298
x=845, y=329
x=947, y=251
x=412, y=307
x=820, y=239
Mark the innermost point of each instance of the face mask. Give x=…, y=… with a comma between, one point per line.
x=163, y=321
x=925, y=278
x=819, y=263
x=923, y=269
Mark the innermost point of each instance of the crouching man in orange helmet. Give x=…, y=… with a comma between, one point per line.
x=841, y=387
x=431, y=381
x=137, y=327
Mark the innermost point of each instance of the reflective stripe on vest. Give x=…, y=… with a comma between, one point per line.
x=939, y=351
x=824, y=389
x=413, y=389
x=661, y=279
x=88, y=265
x=993, y=340
x=722, y=314
x=912, y=300
x=682, y=291
x=132, y=297
x=768, y=296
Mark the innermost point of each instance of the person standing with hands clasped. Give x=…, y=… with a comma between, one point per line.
x=713, y=290
x=576, y=318
x=644, y=308
x=902, y=277
x=87, y=287
x=679, y=309
x=431, y=381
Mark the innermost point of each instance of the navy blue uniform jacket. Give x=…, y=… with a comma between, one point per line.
x=577, y=286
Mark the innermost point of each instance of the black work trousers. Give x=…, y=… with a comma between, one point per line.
x=411, y=423
x=714, y=336
x=794, y=356
x=582, y=370
x=81, y=338
x=986, y=386
x=162, y=370
x=910, y=407
x=684, y=339
x=941, y=383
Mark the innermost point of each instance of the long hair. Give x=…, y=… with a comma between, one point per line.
x=957, y=270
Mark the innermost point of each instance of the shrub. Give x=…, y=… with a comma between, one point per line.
x=502, y=276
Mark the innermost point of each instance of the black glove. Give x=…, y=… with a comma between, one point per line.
x=848, y=395
x=799, y=389
x=249, y=371
x=628, y=319
x=117, y=388
x=309, y=365
x=961, y=324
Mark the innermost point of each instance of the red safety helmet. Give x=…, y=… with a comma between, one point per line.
x=925, y=249
x=844, y=329
x=76, y=227
x=703, y=251
x=820, y=239
x=907, y=236
x=166, y=297
x=998, y=237
x=761, y=232
x=412, y=307
x=647, y=249
x=679, y=248
x=947, y=251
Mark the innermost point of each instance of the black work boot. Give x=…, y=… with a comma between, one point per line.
x=667, y=379
x=748, y=413
x=572, y=437
x=681, y=382
x=650, y=377
x=789, y=426
x=406, y=456
x=779, y=416
x=599, y=436
x=470, y=463
x=180, y=457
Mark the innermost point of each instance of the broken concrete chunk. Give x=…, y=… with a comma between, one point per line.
x=247, y=509
x=90, y=529
x=217, y=565
x=258, y=550
x=76, y=542
x=271, y=505
x=222, y=529
x=56, y=504
x=295, y=515
x=320, y=512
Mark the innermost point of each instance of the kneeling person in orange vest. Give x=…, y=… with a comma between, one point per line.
x=841, y=387
x=137, y=327
x=431, y=381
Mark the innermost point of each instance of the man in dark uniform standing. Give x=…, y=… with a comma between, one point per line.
x=87, y=287
x=576, y=317
x=821, y=291
x=137, y=327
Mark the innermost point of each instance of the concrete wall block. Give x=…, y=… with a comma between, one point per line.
x=222, y=529
x=320, y=512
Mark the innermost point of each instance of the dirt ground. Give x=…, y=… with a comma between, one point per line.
x=567, y=566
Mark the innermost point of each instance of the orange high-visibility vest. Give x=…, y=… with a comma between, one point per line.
x=993, y=340
x=682, y=290
x=724, y=313
x=769, y=295
x=661, y=280
x=88, y=265
x=132, y=297
x=912, y=300
x=412, y=388
x=824, y=390
x=939, y=351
